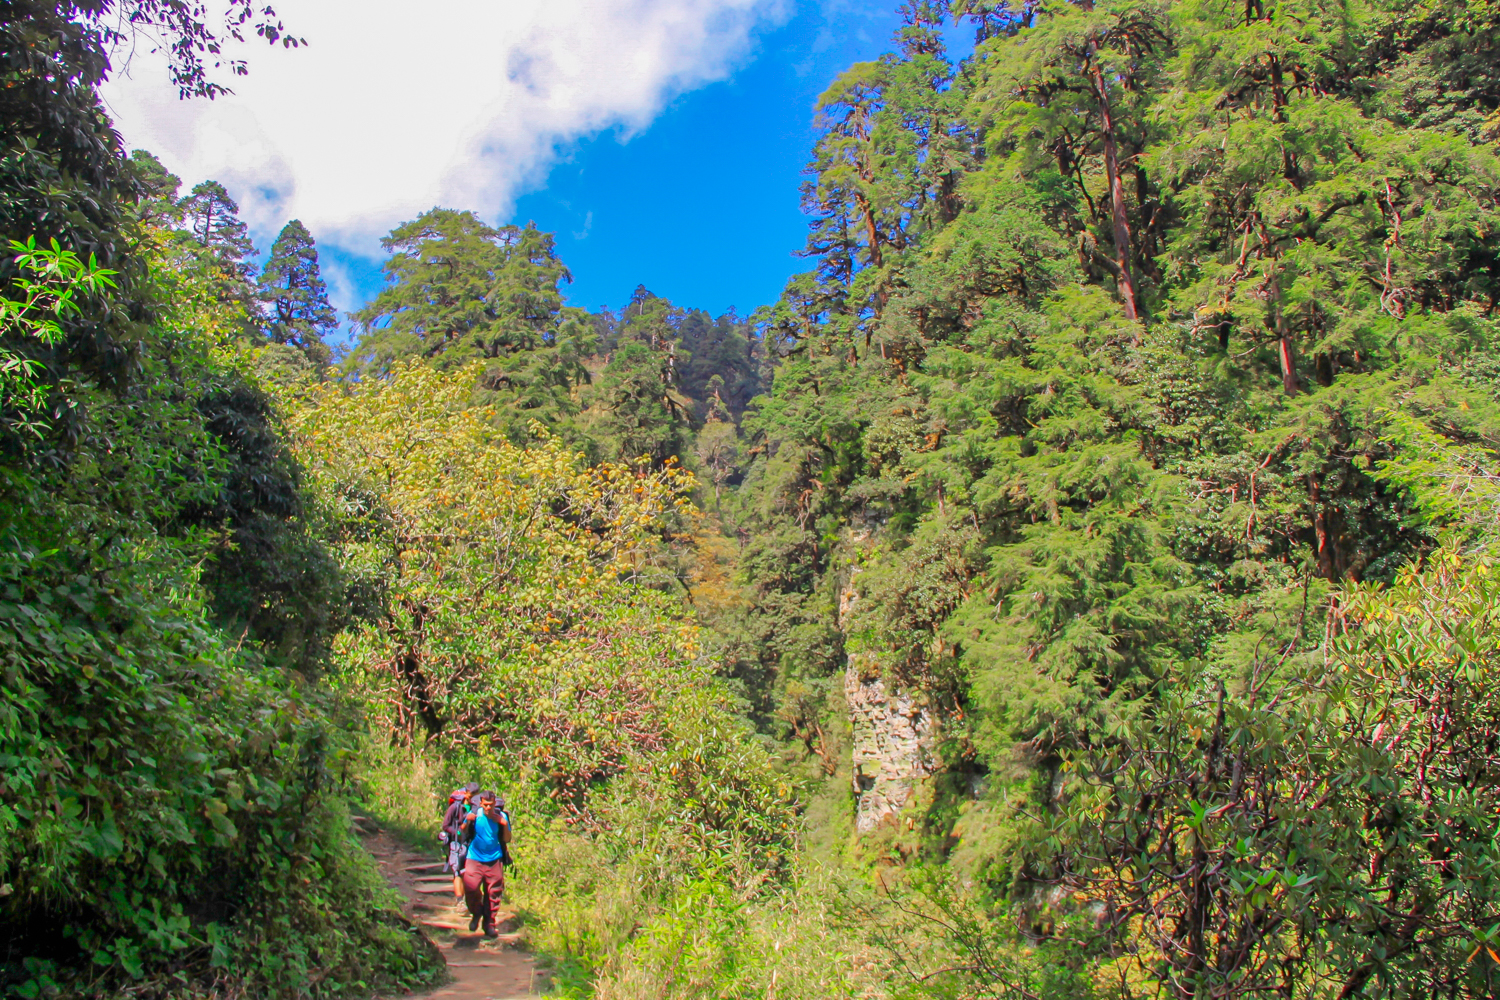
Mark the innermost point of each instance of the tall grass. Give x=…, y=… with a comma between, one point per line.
x=625, y=906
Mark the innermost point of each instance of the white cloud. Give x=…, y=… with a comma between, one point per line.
x=343, y=294
x=392, y=108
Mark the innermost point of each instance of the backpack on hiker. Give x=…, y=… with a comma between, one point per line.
x=466, y=832
x=451, y=818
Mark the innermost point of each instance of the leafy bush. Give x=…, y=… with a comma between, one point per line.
x=171, y=810
x=171, y=803
x=523, y=613
x=1325, y=826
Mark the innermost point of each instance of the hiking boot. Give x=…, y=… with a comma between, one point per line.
x=474, y=922
x=489, y=929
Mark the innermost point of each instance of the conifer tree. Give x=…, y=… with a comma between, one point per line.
x=212, y=222
x=1157, y=297
x=849, y=229
x=295, y=295
x=716, y=364
x=644, y=416
x=459, y=289
x=212, y=217
x=158, y=203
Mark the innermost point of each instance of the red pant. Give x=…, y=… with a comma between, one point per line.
x=484, y=881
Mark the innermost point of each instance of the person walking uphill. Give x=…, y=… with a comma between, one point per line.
x=484, y=871
x=459, y=804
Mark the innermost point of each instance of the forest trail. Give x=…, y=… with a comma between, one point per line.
x=482, y=969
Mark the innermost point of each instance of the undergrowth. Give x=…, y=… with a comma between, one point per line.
x=173, y=811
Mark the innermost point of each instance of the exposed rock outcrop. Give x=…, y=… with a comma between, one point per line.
x=892, y=748
x=892, y=733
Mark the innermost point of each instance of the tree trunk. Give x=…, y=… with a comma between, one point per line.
x=871, y=233
x=1116, y=197
x=1326, y=368
x=1328, y=553
x=1288, y=365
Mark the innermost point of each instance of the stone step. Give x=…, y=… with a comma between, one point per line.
x=432, y=905
x=475, y=943
x=481, y=965
x=504, y=919
x=445, y=925
x=445, y=886
x=429, y=866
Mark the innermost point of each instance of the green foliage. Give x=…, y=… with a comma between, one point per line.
x=49, y=283
x=1130, y=337
x=1136, y=344
x=945, y=942
x=1145, y=353
x=213, y=223
x=524, y=637
x=292, y=288
x=458, y=291
x=518, y=614
x=157, y=206
x=270, y=579
x=718, y=362
x=62, y=178
x=824, y=934
x=171, y=813
x=667, y=371
x=640, y=906
x=212, y=218
x=643, y=418
x=171, y=809
x=1319, y=827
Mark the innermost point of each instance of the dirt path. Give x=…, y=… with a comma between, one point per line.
x=482, y=968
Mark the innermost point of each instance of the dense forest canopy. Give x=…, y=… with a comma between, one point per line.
x=1078, y=583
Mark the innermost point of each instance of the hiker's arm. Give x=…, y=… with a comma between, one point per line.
x=504, y=828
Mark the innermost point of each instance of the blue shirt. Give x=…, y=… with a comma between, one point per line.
x=486, y=846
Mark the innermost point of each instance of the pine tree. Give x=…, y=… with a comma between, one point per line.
x=213, y=223
x=716, y=364
x=213, y=219
x=1149, y=291
x=158, y=202
x=295, y=295
x=460, y=291
x=849, y=230
x=643, y=414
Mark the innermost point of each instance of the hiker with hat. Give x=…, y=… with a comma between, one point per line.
x=460, y=802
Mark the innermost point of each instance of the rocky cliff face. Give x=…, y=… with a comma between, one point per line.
x=892, y=748
x=892, y=735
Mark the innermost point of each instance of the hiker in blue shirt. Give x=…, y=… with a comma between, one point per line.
x=488, y=831
x=459, y=806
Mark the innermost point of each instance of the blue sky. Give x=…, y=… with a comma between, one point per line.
x=702, y=206
x=663, y=141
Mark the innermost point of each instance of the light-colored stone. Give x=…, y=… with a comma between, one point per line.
x=892, y=734
x=892, y=748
